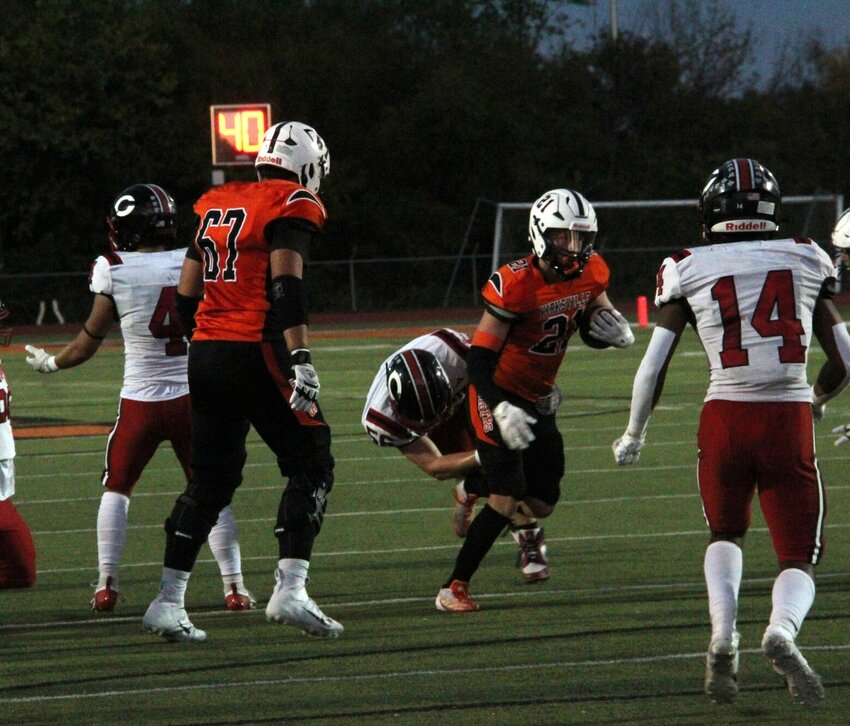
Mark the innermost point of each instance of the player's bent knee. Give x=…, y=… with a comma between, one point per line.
x=191, y=518
x=538, y=508
x=304, y=502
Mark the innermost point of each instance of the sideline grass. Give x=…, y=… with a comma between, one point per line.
x=617, y=634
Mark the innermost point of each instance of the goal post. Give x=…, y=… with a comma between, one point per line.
x=805, y=215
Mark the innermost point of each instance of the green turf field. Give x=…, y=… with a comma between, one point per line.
x=617, y=635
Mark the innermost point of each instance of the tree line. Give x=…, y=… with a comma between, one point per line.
x=426, y=106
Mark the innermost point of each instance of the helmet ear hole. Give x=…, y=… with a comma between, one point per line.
x=418, y=387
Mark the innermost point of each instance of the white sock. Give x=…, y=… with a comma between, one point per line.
x=723, y=567
x=293, y=573
x=234, y=579
x=172, y=587
x=111, y=535
x=224, y=543
x=793, y=595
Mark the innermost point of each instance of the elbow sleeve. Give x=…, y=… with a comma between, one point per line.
x=289, y=301
x=481, y=364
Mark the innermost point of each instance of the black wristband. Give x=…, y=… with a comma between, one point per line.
x=300, y=356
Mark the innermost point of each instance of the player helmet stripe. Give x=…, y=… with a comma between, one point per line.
x=418, y=387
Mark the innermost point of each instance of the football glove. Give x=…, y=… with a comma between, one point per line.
x=609, y=326
x=514, y=425
x=627, y=448
x=305, y=385
x=41, y=360
x=844, y=430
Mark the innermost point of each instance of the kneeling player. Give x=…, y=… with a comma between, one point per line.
x=416, y=404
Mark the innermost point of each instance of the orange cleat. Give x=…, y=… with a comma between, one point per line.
x=455, y=598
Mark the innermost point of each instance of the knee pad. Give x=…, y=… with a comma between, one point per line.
x=304, y=502
x=191, y=519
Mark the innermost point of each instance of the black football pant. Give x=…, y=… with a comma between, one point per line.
x=234, y=386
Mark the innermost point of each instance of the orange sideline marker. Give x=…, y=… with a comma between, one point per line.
x=642, y=311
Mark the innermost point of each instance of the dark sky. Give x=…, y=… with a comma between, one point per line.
x=775, y=23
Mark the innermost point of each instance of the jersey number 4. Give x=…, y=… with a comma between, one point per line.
x=214, y=265
x=775, y=316
x=165, y=323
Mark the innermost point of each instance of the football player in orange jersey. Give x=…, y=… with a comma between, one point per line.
x=242, y=293
x=533, y=306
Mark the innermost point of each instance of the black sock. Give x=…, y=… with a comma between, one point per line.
x=483, y=531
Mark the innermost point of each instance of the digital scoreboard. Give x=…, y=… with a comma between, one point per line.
x=237, y=132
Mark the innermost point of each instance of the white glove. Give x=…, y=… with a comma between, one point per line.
x=609, y=326
x=305, y=386
x=844, y=430
x=41, y=360
x=514, y=425
x=627, y=448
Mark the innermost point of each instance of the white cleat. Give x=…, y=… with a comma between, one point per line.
x=721, y=669
x=171, y=622
x=295, y=607
x=803, y=683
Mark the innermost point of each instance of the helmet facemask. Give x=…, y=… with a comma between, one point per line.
x=840, y=240
x=568, y=250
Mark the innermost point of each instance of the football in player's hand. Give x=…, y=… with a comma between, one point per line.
x=584, y=330
x=609, y=326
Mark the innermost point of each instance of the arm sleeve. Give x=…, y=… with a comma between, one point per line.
x=292, y=234
x=186, y=309
x=649, y=379
x=481, y=365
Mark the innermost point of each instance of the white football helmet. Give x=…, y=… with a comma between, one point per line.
x=563, y=209
x=841, y=233
x=298, y=148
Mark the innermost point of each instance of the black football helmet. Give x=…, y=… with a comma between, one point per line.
x=142, y=214
x=5, y=325
x=419, y=388
x=741, y=198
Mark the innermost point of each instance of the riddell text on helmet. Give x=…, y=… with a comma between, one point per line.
x=268, y=160
x=746, y=226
